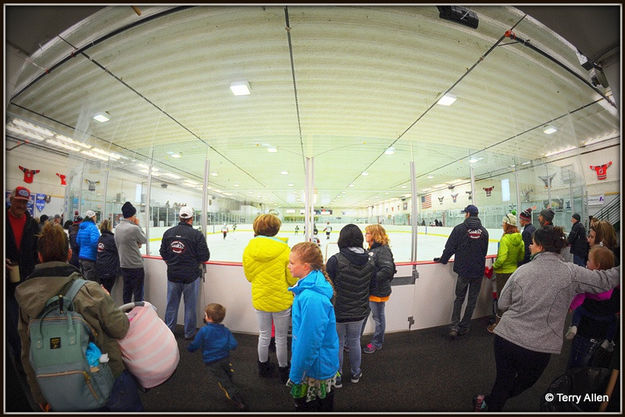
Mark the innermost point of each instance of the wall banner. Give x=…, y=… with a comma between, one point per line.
x=596, y=200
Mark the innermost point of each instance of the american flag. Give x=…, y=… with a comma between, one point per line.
x=426, y=201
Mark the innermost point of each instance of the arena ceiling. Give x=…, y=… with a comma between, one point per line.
x=353, y=87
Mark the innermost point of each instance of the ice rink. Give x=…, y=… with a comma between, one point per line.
x=231, y=248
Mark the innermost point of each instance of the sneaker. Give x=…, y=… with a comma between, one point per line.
x=453, y=333
x=370, y=348
x=238, y=402
x=339, y=382
x=608, y=345
x=491, y=328
x=356, y=378
x=234, y=398
x=463, y=332
x=479, y=404
x=570, y=334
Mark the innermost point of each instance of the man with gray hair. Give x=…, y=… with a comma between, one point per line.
x=184, y=250
x=129, y=237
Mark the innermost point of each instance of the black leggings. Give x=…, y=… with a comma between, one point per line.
x=318, y=404
x=517, y=370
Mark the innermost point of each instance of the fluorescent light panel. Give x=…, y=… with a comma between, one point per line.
x=447, y=100
x=240, y=88
x=549, y=130
x=102, y=117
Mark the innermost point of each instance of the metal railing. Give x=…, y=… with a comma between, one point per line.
x=611, y=213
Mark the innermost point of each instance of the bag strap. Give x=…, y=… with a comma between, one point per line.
x=74, y=288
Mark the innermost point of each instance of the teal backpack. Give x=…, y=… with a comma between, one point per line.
x=58, y=343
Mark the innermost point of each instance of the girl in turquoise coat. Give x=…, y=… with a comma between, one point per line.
x=315, y=348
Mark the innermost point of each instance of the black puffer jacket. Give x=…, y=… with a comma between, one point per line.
x=26, y=255
x=107, y=259
x=577, y=240
x=73, y=232
x=528, y=231
x=351, y=271
x=384, y=270
x=469, y=241
x=183, y=249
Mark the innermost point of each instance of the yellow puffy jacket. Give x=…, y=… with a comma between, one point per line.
x=265, y=264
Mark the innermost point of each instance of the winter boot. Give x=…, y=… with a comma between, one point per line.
x=266, y=369
x=284, y=373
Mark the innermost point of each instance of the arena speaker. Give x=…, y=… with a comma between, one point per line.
x=458, y=14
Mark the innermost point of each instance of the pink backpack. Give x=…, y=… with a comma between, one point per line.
x=149, y=349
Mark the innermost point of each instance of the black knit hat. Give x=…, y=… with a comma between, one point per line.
x=128, y=210
x=547, y=214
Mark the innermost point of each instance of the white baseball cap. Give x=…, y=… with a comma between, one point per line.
x=186, y=212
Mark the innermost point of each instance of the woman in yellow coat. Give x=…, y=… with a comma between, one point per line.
x=510, y=253
x=265, y=263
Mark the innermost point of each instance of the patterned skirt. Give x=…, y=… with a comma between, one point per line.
x=312, y=388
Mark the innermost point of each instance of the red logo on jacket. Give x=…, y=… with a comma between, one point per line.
x=475, y=233
x=177, y=246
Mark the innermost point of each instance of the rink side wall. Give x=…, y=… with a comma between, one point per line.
x=426, y=301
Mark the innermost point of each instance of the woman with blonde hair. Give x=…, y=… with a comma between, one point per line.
x=265, y=264
x=380, y=289
x=510, y=253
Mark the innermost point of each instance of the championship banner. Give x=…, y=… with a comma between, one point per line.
x=40, y=201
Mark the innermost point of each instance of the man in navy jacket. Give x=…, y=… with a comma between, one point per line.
x=183, y=249
x=469, y=242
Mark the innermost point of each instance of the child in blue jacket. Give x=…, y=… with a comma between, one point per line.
x=216, y=342
x=315, y=347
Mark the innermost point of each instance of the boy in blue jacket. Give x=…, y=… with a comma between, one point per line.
x=216, y=342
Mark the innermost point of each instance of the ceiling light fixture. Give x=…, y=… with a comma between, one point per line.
x=430, y=177
x=284, y=172
x=240, y=88
x=549, y=130
x=214, y=174
x=474, y=160
x=102, y=117
x=526, y=163
x=447, y=100
x=390, y=151
x=568, y=148
x=365, y=173
x=272, y=150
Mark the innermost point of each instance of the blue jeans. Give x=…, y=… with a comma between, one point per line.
x=133, y=284
x=582, y=350
x=350, y=330
x=124, y=396
x=578, y=260
x=174, y=291
x=377, y=311
x=473, y=286
x=281, y=321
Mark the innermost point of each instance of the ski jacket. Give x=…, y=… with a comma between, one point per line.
x=509, y=254
x=107, y=261
x=87, y=240
x=469, y=242
x=351, y=271
x=184, y=250
x=315, y=348
x=265, y=261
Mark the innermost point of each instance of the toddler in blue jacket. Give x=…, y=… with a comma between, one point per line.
x=216, y=342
